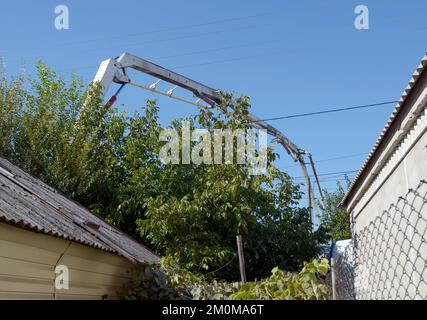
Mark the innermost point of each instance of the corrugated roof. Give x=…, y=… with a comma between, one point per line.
x=396, y=110
x=29, y=203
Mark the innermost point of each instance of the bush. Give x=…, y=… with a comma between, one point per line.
x=171, y=282
x=282, y=285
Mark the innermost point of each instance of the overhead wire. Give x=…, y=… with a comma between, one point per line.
x=166, y=29
x=314, y=113
x=329, y=174
x=329, y=159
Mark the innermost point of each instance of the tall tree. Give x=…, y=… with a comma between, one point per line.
x=110, y=162
x=197, y=222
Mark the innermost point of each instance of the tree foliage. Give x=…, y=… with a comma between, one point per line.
x=60, y=132
x=335, y=220
x=198, y=225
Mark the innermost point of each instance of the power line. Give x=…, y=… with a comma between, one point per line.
x=329, y=174
x=181, y=66
x=331, y=111
x=183, y=37
x=160, y=30
x=186, y=37
x=227, y=60
x=127, y=45
x=330, y=159
x=242, y=45
x=333, y=179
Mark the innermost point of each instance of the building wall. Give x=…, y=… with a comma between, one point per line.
x=28, y=261
x=390, y=217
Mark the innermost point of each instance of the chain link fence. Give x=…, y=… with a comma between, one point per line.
x=387, y=259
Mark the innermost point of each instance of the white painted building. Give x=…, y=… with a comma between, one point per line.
x=387, y=203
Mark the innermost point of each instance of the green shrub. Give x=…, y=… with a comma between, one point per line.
x=282, y=285
x=171, y=282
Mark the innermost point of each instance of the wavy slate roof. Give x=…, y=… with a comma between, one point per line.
x=421, y=67
x=31, y=204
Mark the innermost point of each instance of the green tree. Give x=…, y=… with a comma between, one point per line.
x=60, y=132
x=335, y=219
x=196, y=222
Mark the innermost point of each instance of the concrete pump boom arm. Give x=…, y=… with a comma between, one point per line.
x=114, y=70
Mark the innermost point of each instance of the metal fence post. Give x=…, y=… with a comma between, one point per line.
x=241, y=258
x=333, y=275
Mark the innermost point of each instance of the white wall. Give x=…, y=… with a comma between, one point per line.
x=390, y=218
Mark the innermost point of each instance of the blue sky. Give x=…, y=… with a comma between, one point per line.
x=289, y=56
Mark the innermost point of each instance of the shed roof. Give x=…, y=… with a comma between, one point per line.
x=396, y=111
x=29, y=203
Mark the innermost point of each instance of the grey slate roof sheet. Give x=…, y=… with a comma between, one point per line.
x=29, y=203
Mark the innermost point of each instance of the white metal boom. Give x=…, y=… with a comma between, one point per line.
x=114, y=70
